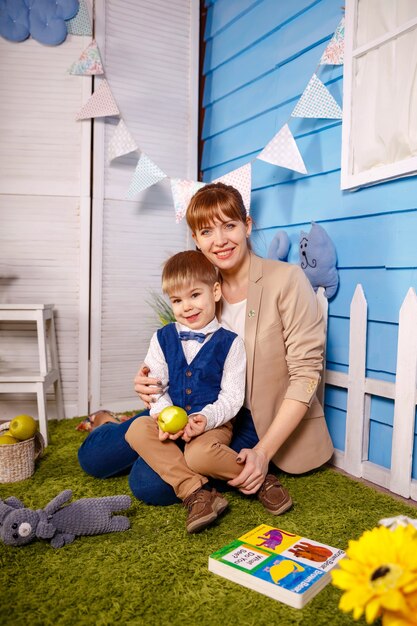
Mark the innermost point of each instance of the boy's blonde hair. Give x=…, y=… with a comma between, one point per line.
x=185, y=268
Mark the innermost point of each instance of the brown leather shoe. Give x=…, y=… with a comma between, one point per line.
x=204, y=507
x=274, y=496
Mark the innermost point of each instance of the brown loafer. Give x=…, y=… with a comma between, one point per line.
x=204, y=507
x=274, y=497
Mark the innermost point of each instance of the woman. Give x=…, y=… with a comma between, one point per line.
x=273, y=307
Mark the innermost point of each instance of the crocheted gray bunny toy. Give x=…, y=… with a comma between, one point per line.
x=61, y=524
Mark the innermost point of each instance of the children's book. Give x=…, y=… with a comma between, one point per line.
x=277, y=563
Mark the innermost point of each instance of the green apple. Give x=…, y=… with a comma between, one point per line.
x=7, y=439
x=172, y=419
x=23, y=427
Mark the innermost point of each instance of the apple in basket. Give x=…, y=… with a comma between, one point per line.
x=6, y=439
x=172, y=419
x=23, y=427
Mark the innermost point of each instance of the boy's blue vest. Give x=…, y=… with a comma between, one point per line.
x=194, y=386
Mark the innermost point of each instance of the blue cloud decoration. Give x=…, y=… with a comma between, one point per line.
x=43, y=19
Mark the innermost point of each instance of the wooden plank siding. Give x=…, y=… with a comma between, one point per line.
x=259, y=58
x=151, y=60
x=44, y=212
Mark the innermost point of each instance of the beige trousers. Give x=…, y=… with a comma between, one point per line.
x=207, y=455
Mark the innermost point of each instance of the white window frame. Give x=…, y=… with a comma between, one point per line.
x=405, y=167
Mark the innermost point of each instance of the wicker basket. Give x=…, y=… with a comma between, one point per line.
x=17, y=460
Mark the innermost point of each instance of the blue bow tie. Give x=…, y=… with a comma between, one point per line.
x=186, y=335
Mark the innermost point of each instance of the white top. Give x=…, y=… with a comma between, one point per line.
x=232, y=388
x=233, y=318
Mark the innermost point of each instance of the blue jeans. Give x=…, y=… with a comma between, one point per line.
x=106, y=453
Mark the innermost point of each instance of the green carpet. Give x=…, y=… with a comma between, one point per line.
x=155, y=573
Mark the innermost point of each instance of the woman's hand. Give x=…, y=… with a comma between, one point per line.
x=146, y=387
x=253, y=474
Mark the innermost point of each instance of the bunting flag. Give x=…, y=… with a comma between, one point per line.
x=282, y=150
x=81, y=23
x=101, y=104
x=182, y=192
x=147, y=173
x=241, y=179
x=89, y=63
x=121, y=143
x=334, y=53
x=317, y=101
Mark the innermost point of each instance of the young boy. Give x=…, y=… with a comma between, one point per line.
x=202, y=369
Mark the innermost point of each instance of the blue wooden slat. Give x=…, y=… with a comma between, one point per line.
x=266, y=175
x=224, y=168
x=223, y=12
x=254, y=25
x=320, y=152
x=252, y=136
x=336, y=423
x=382, y=410
x=373, y=249
x=380, y=444
x=381, y=345
x=338, y=340
x=272, y=90
x=336, y=367
x=384, y=290
x=320, y=198
x=372, y=245
x=277, y=48
x=335, y=397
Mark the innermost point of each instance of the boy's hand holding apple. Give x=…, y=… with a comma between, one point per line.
x=171, y=422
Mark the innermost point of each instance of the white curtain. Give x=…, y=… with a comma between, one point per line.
x=384, y=102
x=377, y=17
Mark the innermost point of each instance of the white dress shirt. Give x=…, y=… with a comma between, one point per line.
x=232, y=388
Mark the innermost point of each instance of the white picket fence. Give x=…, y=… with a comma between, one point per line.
x=360, y=389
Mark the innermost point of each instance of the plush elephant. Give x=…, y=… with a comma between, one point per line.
x=61, y=524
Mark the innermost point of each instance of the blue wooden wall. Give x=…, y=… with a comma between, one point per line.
x=260, y=55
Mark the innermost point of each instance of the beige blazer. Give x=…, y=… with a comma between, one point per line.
x=284, y=339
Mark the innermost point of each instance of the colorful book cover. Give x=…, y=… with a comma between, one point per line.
x=282, y=565
x=307, y=551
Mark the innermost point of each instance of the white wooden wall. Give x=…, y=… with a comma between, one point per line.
x=44, y=209
x=48, y=218
x=150, y=53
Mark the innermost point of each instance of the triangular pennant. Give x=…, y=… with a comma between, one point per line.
x=81, y=23
x=89, y=63
x=182, y=192
x=283, y=151
x=317, y=101
x=335, y=51
x=241, y=179
x=147, y=173
x=100, y=104
x=121, y=143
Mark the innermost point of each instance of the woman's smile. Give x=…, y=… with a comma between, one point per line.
x=224, y=254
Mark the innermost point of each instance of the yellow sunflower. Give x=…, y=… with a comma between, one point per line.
x=379, y=577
